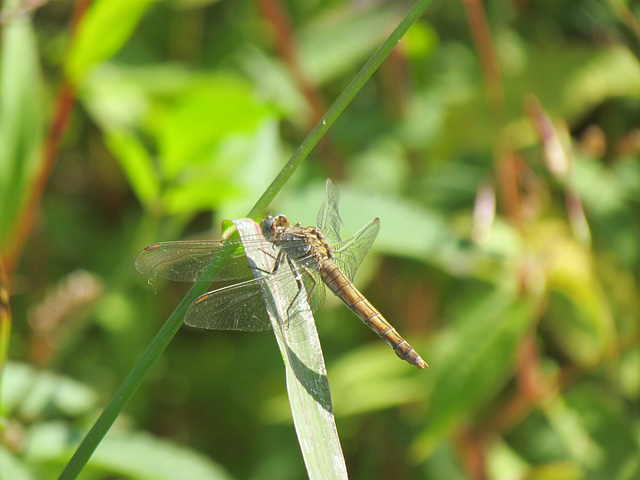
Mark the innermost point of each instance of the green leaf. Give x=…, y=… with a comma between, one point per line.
x=131, y=455
x=21, y=119
x=204, y=117
x=366, y=379
x=612, y=437
x=12, y=467
x=306, y=375
x=136, y=163
x=106, y=27
x=370, y=378
x=234, y=171
x=471, y=361
x=606, y=199
x=143, y=456
x=35, y=392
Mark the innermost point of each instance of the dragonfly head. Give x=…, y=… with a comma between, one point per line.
x=273, y=225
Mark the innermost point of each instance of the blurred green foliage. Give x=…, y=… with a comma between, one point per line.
x=508, y=255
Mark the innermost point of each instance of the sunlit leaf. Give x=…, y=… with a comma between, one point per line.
x=332, y=44
x=133, y=455
x=13, y=467
x=136, y=163
x=21, y=118
x=33, y=392
x=144, y=456
x=104, y=30
x=204, y=117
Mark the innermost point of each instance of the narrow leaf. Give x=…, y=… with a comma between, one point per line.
x=306, y=375
x=106, y=27
x=21, y=119
x=136, y=164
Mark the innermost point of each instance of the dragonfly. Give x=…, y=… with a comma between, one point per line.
x=312, y=257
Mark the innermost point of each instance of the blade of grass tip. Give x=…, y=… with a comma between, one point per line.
x=338, y=107
x=306, y=375
x=173, y=323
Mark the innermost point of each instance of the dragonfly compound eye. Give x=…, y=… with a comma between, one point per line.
x=267, y=226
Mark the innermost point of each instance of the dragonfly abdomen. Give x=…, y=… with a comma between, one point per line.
x=338, y=282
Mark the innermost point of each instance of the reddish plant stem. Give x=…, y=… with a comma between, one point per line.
x=29, y=210
x=486, y=51
x=5, y=320
x=275, y=14
x=506, y=168
x=508, y=173
x=471, y=447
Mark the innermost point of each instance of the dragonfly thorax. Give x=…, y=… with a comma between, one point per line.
x=301, y=242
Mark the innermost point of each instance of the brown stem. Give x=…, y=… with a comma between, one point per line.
x=533, y=387
x=29, y=210
x=275, y=14
x=5, y=319
x=471, y=447
x=486, y=51
x=507, y=172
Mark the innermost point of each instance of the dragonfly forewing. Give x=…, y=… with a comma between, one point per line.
x=187, y=260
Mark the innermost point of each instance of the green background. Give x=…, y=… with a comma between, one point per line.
x=505, y=170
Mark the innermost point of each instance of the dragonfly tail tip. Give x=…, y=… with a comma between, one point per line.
x=421, y=364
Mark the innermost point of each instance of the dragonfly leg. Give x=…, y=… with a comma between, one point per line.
x=298, y=278
x=279, y=260
x=269, y=254
x=276, y=265
x=313, y=287
x=296, y=273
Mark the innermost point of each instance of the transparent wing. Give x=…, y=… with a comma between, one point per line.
x=350, y=253
x=329, y=220
x=185, y=261
x=237, y=307
x=314, y=286
x=241, y=306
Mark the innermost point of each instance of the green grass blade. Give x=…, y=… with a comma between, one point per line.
x=306, y=375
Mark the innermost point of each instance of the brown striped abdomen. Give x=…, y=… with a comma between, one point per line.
x=338, y=282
